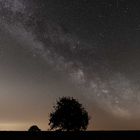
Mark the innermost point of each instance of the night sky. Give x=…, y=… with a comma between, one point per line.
x=87, y=49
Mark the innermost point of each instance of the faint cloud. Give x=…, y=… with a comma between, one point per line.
x=118, y=111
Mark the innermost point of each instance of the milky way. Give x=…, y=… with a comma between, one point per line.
x=97, y=52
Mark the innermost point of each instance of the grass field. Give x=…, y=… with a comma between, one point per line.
x=88, y=135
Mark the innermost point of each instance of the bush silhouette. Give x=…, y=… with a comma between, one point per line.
x=34, y=128
x=68, y=115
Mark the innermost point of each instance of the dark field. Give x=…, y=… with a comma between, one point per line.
x=88, y=135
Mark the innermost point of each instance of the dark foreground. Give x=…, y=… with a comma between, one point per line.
x=88, y=135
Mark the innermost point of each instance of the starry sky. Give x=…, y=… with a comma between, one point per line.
x=87, y=49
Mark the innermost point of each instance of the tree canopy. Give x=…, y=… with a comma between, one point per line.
x=68, y=115
x=34, y=128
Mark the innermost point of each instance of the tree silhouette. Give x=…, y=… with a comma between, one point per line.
x=68, y=115
x=34, y=128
